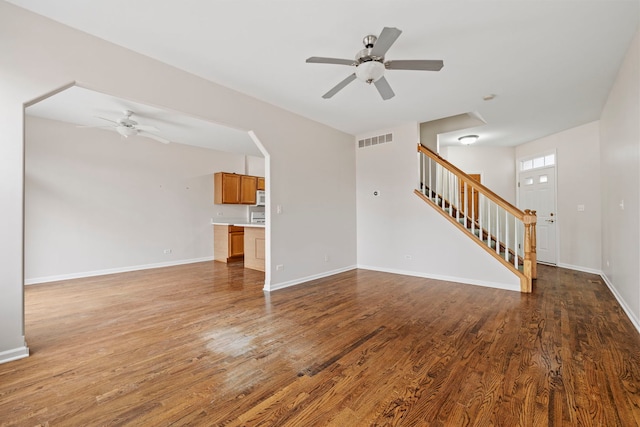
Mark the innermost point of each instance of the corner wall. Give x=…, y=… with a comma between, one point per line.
x=578, y=182
x=400, y=233
x=495, y=164
x=40, y=55
x=620, y=180
x=96, y=203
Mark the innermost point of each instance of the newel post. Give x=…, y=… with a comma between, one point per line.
x=530, y=257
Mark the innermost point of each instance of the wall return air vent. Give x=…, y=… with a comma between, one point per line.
x=375, y=140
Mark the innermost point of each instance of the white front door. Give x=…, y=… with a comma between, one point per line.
x=538, y=192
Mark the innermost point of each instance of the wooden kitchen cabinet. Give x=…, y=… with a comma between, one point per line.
x=228, y=242
x=235, y=189
x=226, y=188
x=261, y=185
x=248, y=188
x=254, y=256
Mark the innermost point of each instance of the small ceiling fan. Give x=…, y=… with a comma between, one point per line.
x=127, y=127
x=370, y=64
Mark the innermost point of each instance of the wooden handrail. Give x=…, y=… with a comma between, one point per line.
x=528, y=219
x=473, y=183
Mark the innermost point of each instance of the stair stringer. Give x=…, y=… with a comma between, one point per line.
x=525, y=283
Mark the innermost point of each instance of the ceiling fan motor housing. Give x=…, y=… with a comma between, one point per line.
x=369, y=41
x=127, y=122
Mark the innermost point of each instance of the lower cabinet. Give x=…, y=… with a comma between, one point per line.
x=254, y=252
x=228, y=243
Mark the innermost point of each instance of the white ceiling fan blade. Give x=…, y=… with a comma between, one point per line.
x=384, y=88
x=387, y=37
x=152, y=136
x=415, y=64
x=322, y=60
x=147, y=128
x=95, y=127
x=109, y=120
x=337, y=88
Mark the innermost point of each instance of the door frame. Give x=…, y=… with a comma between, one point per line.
x=519, y=161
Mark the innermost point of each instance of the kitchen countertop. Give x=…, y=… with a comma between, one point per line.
x=237, y=223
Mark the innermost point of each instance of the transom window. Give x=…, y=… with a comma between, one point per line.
x=538, y=162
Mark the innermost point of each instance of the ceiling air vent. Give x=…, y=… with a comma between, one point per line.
x=375, y=140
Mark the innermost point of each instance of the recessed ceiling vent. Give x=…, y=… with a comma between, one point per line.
x=375, y=140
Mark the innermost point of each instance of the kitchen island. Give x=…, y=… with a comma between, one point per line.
x=238, y=240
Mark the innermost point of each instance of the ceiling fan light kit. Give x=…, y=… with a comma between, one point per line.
x=370, y=71
x=370, y=64
x=126, y=131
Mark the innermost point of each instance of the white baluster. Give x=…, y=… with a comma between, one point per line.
x=466, y=198
x=489, y=223
x=430, y=187
x=480, y=215
x=457, y=185
x=515, y=241
x=497, y=229
x=442, y=189
x=506, y=236
x=422, y=182
x=473, y=214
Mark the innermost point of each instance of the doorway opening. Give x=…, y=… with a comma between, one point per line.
x=99, y=202
x=537, y=191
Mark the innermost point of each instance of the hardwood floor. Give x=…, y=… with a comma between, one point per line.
x=201, y=344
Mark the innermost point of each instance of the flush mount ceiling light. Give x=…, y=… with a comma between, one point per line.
x=468, y=139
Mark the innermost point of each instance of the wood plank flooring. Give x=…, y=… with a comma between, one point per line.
x=202, y=345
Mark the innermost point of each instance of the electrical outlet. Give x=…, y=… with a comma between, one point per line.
x=167, y=251
x=280, y=267
x=408, y=257
x=326, y=258
x=219, y=213
x=279, y=209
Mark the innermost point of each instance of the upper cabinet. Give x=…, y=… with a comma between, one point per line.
x=248, y=188
x=232, y=188
x=261, y=183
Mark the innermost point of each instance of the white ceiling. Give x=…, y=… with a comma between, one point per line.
x=549, y=63
x=84, y=107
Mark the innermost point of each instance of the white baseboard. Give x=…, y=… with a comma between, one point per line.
x=580, y=268
x=80, y=275
x=623, y=304
x=276, y=286
x=463, y=280
x=14, y=354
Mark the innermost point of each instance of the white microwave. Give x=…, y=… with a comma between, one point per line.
x=261, y=198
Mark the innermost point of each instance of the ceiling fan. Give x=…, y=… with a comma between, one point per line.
x=127, y=127
x=370, y=64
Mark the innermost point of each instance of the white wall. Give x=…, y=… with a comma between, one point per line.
x=578, y=183
x=620, y=178
x=97, y=203
x=312, y=189
x=397, y=223
x=495, y=164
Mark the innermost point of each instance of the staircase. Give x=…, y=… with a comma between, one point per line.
x=500, y=228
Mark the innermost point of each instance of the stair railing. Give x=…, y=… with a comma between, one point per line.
x=505, y=231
